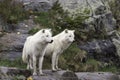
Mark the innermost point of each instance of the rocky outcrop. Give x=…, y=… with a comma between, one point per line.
x=100, y=16
x=10, y=73
x=37, y=5
x=59, y=75
x=11, y=44
x=102, y=50
x=97, y=76
x=7, y=73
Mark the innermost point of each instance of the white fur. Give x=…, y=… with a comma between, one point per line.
x=60, y=43
x=34, y=49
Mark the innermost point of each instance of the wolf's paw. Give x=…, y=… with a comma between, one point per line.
x=34, y=74
x=42, y=74
x=59, y=69
x=54, y=70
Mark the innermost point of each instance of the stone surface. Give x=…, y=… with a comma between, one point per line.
x=37, y=5
x=11, y=73
x=97, y=76
x=100, y=14
x=11, y=44
x=59, y=75
x=8, y=73
x=102, y=50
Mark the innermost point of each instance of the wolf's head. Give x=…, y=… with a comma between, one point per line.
x=47, y=35
x=69, y=35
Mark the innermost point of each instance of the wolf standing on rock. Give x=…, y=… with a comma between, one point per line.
x=60, y=43
x=34, y=49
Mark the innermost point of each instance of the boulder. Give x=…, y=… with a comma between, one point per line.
x=59, y=75
x=102, y=50
x=100, y=16
x=11, y=44
x=11, y=73
x=37, y=5
x=97, y=76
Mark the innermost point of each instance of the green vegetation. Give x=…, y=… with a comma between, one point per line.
x=111, y=68
x=58, y=20
x=15, y=63
x=11, y=12
x=115, y=9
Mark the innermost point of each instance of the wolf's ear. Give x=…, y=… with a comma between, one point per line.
x=50, y=29
x=73, y=30
x=66, y=30
x=43, y=30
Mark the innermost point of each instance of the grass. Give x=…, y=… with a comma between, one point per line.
x=111, y=68
x=42, y=18
x=16, y=63
x=11, y=12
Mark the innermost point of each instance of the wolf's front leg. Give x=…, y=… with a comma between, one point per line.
x=28, y=66
x=40, y=64
x=31, y=64
x=56, y=62
x=53, y=61
x=34, y=65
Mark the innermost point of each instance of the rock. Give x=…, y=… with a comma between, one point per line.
x=116, y=42
x=97, y=76
x=102, y=50
x=9, y=73
x=37, y=5
x=11, y=44
x=100, y=16
x=59, y=75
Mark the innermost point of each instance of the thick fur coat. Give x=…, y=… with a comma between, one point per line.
x=34, y=49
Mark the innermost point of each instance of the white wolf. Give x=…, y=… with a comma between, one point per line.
x=34, y=49
x=60, y=42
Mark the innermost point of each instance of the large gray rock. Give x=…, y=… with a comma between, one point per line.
x=59, y=75
x=97, y=76
x=37, y=5
x=102, y=50
x=100, y=16
x=11, y=73
x=116, y=42
x=11, y=44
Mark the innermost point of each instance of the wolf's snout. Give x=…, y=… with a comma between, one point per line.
x=51, y=41
x=74, y=40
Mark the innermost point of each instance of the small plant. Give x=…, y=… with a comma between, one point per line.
x=33, y=31
x=16, y=63
x=12, y=11
x=115, y=9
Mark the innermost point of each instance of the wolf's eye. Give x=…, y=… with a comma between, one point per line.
x=70, y=36
x=47, y=35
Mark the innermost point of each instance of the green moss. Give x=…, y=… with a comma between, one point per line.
x=16, y=63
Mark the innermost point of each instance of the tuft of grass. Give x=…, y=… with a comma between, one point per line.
x=12, y=12
x=42, y=18
x=33, y=31
x=16, y=63
x=111, y=68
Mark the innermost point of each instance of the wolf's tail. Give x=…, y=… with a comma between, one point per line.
x=24, y=56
